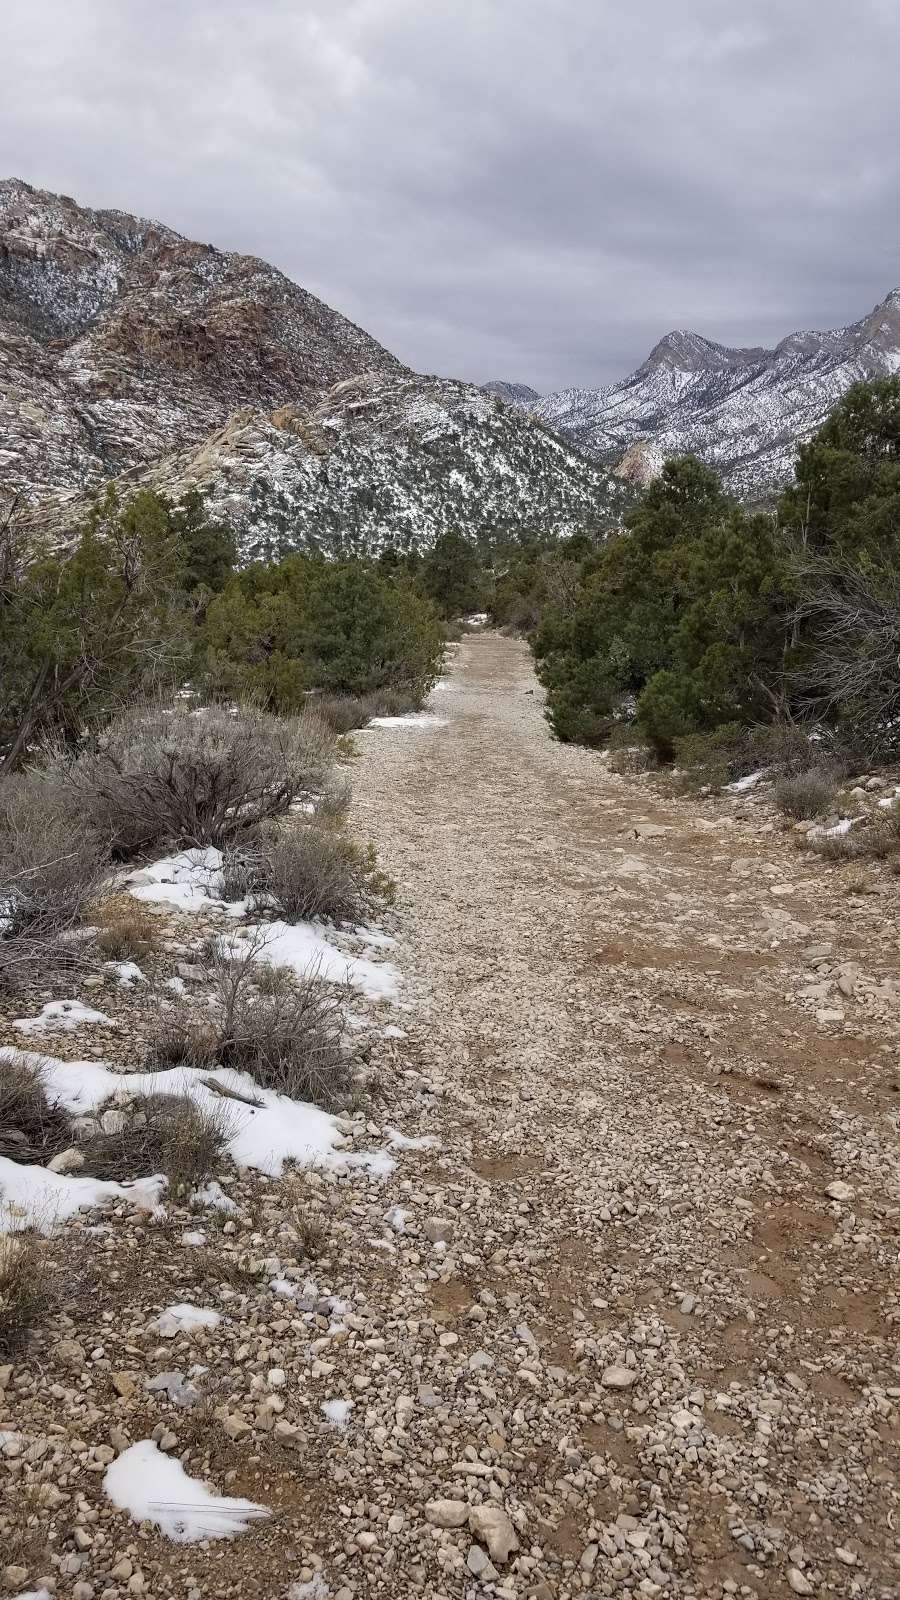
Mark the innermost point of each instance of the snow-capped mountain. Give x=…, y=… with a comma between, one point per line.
x=127, y=351
x=743, y=411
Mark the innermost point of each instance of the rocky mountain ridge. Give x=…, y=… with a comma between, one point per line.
x=517, y=394
x=745, y=411
x=129, y=352
x=121, y=340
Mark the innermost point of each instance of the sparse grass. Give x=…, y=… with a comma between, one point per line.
x=32, y=1130
x=331, y=806
x=166, y=1133
x=182, y=1041
x=343, y=712
x=26, y=1289
x=128, y=931
x=806, y=795
x=628, y=759
x=308, y=871
x=282, y=1030
x=877, y=839
x=315, y=872
x=287, y=1039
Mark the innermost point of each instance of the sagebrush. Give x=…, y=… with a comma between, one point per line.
x=180, y=776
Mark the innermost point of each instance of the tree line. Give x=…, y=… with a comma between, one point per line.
x=705, y=617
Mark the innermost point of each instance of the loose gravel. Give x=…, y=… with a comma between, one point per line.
x=623, y=1319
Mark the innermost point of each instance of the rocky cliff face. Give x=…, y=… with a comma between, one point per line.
x=120, y=340
x=127, y=351
x=744, y=411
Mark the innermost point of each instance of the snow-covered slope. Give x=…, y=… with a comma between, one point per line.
x=378, y=460
x=744, y=411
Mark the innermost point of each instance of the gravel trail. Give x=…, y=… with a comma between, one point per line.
x=676, y=1357
x=622, y=1318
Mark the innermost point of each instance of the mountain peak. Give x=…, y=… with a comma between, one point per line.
x=516, y=394
x=745, y=411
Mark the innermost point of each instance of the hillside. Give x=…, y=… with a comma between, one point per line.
x=130, y=352
x=517, y=394
x=744, y=411
x=120, y=340
x=389, y=459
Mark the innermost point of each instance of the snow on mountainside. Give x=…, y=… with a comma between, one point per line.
x=383, y=460
x=743, y=411
x=127, y=351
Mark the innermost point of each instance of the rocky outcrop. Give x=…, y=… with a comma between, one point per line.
x=120, y=341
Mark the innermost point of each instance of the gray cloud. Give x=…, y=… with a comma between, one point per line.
x=530, y=189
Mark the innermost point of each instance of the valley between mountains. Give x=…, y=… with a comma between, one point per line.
x=617, y=1315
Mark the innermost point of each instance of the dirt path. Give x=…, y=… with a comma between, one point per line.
x=602, y=1329
x=639, y=1111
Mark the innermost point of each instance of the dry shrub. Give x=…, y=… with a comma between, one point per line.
x=171, y=1134
x=308, y=872
x=630, y=759
x=128, y=931
x=182, y=1041
x=877, y=839
x=26, y=1293
x=331, y=806
x=32, y=1130
x=52, y=867
x=164, y=776
x=286, y=1036
x=343, y=712
x=314, y=872
x=805, y=795
x=282, y=1030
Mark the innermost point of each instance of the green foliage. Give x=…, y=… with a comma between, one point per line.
x=452, y=576
x=533, y=575
x=846, y=494
x=682, y=614
x=109, y=616
x=345, y=627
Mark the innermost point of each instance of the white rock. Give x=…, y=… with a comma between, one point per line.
x=798, y=1582
x=492, y=1526
x=70, y=1160
x=617, y=1377
x=438, y=1229
x=446, y=1513
x=839, y=1190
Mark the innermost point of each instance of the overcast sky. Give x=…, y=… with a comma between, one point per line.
x=528, y=189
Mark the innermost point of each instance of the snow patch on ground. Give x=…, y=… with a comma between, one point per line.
x=127, y=972
x=189, y=881
x=63, y=1016
x=35, y=1197
x=315, y=1589
x=184, y=1318
x=264, y=1129
x=303, y=946
x=337, y=1412
x=741, y=785
x=153, y=1487
x=414, y=721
